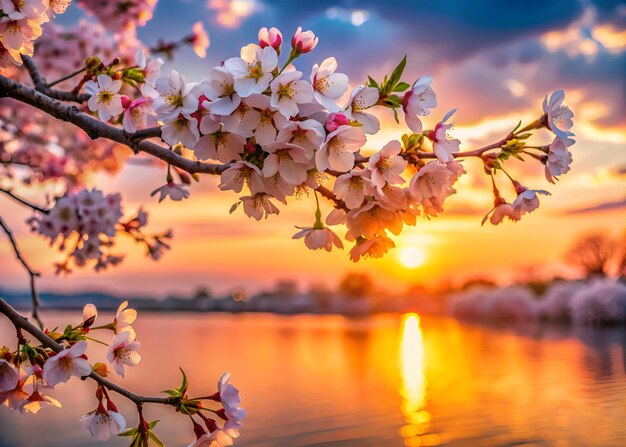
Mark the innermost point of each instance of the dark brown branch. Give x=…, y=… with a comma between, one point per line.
x=42, y=86
x=31, y=273
x=98, y=129
x=24, y=202
x=22, y=323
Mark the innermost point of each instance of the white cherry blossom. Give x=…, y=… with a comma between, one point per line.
x=103, y=424
x=288, y=91
x=386, y=165
x=443, y=146
x=361, y=99
x=219, y=87
x=559, y=115
x=104, y=97
x=337, y=152
x=253, y=70
x=289, y=160
x=67, y=363
x=417, y=102
x=123, y=351
x=328, y=86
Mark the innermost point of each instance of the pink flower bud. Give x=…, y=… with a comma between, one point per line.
x=518, y=187
x=270, y=38
x=303, y=41
x=126, y=102
x=250, y=148
x=335, y=120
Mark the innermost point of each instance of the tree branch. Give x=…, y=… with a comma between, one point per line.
x=98, y=129
x=31, y=273
x=24, y=202
x=42, y=86
x=22, y=323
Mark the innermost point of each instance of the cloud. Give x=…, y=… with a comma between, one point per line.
x=607, y=206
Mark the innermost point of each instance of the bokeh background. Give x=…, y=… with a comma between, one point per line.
x=495, y=61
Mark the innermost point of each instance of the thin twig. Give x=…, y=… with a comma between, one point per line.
x=24, y=202
x=65, y=78
x=43, y=87
x=20, y=322
x=31, y=273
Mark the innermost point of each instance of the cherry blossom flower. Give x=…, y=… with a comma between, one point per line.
x=18, y=34
x=218, y=144
x=361, y=99
x=242, y=173
x=230, y=400
x=432, y=180
x=124, y=318
x=309, y=134
x=67, y=363
x=442, y=145
x=289, y=160
x=501, y=210
x=318, y=238
x=375, y=247
x=386, y=165
x=102, y=423
x=328, y=86
x=173, y=96
x=417, y=102
x=266, y=123
x=303, y=41
x=151, y=69
x=352, y=187
x=270, y=38
x=243, y=121
x=123, y=351
x=183, y=129
x=104, y=98
x=559, y=158
x=288, y=91
x=15, y=10
x=14, y=397
x=199, y=39
x=219, y=87
x=372, y=219
x=257, y=206
x=336, y=217
x=527, y=200
x=337, y=152
x=253, y=70
x=559, y=115
x=136, y=113
x=9, y=376
x=36, y=401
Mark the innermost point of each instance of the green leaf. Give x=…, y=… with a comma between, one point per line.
x=401, y=87
x=173, y=393
x=395, y=115
x=185, y=384
x=130, y=432
x=372, y=82
x=153, y=424
x=390, y=85
x=155, y=438
x=517, y=127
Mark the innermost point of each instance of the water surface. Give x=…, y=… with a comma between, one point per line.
x=388, y=380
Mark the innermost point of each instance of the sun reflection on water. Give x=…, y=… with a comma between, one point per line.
x=414, y=385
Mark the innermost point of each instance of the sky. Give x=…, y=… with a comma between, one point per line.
x=495, y=61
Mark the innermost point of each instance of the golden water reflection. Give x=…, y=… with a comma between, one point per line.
x=414, y=385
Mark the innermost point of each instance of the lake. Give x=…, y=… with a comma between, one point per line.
x=387, y=380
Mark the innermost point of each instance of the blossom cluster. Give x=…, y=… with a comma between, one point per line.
x=281, y=134
x=120, y=15
x=28, y=373
x=89, y=221
x=20, y=26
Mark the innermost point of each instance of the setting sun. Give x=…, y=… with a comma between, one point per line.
x=412, y=257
